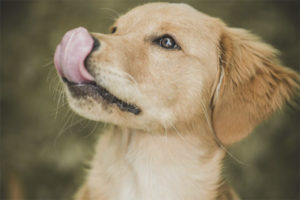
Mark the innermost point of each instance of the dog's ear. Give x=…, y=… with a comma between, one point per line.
x=251, y=87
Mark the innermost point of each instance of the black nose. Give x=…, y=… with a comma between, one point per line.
x=96, y=44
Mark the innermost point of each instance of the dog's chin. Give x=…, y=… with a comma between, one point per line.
x=90, y=109
x=95, y=103
x=91, y=90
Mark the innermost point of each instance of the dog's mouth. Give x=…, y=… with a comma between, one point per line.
x=96, y=91
x=70, y=58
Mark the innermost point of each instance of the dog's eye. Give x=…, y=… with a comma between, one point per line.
x=167, y=42
x=113, y=29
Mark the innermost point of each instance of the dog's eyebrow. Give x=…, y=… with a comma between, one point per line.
x=151, y=37
x=158, y=35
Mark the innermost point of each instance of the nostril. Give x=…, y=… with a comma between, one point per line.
x=96, y=44
x=87, y=63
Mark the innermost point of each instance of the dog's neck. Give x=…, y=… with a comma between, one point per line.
x=171, y=165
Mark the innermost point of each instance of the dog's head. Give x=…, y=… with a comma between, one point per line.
x=166, y=64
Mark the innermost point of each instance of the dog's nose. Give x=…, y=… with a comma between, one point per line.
x=96, y=44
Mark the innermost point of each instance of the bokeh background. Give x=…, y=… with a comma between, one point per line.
x=45, y=147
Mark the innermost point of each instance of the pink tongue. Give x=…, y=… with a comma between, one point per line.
x=71, y=53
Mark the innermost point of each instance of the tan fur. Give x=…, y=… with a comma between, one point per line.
x=221, y=83
x=83, y=193
x=254, y=81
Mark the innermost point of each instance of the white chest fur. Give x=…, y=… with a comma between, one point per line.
x=140, y=166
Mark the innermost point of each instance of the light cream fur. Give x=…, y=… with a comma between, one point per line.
x=217, y=87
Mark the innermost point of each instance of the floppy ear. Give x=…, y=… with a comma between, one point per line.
x=252, y=85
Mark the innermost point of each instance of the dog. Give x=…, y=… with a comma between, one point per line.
x=177, y=87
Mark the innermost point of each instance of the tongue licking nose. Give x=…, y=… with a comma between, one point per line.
x=71, y=53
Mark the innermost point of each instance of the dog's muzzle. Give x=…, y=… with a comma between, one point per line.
x=70, y=60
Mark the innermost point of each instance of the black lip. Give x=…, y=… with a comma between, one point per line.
x=92, y=89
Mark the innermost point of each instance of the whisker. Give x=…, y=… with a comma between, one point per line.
x=117, y=15
x=217, y=140
x=59, y=101
x=93, y=130
x=131, y=78
x=48, y=64
x=177, y=132
x=63, y=130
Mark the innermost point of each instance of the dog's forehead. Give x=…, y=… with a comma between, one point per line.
x=162, y=13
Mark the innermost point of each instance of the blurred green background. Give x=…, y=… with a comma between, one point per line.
x=44, y=146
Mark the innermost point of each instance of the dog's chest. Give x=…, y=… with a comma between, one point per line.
x=149, y=181
x=154, y=170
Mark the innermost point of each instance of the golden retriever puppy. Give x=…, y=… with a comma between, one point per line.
x=175, y=85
